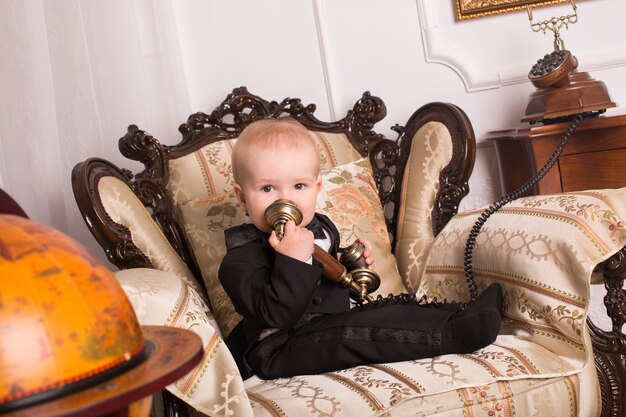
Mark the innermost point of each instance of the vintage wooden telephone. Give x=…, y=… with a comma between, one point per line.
x=562, y=90
x=351, y=272
x=563, y=94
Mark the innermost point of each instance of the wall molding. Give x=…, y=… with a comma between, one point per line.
x=321, y=31
x=437, y=49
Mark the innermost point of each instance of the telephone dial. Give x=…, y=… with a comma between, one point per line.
x=563, y=94
x=562, y=91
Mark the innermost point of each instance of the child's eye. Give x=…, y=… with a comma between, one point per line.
x=300, y=186
x=267, y=188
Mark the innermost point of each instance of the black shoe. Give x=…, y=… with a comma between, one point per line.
x=470, y=331
x=490, y=298
x=477, y=326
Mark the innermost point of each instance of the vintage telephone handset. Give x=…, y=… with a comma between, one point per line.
x=563, y=94
x=351, y=272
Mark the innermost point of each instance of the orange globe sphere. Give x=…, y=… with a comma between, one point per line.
x=65, y=322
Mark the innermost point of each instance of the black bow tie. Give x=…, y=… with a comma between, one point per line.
x=317, y=228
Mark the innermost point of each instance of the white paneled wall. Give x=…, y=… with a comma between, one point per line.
x=271, y=47
x=408, y=52
x=75, y=73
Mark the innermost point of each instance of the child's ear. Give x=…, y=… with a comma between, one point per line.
x=241, y=198
x=318, y=185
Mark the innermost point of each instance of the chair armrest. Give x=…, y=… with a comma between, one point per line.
x=162, y=298
x=543, y=250
x=120, y=222
x=436, y=152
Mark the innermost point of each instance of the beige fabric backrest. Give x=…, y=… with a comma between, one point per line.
x=207, y=171
x=201, y=187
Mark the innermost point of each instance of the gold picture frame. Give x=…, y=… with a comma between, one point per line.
x=468, y=9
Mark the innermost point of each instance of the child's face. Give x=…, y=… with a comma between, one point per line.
x=279, y=173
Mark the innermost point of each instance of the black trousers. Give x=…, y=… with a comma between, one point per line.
x=375, y=333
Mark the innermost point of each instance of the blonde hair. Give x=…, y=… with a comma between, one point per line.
x=270, y=134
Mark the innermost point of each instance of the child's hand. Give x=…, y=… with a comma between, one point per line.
x=367, y=253
x=297, y=242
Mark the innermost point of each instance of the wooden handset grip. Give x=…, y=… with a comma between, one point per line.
x=360, y=281
x=332, y=269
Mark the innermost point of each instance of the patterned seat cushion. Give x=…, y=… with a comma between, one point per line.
x=500, y=379
x=164, y=299
x=510, y=377
x=541, y=249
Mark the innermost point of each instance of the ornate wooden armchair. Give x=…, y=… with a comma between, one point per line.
x=163, y=228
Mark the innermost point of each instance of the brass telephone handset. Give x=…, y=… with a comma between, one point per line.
x=351, y=272
x=563, y=94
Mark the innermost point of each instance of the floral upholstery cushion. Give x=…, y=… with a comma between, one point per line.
x=348, y=197
x=204, y=221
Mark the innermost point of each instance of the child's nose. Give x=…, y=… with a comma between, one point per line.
x=285, y=195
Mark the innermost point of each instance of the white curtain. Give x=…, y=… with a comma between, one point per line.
x=74, y=74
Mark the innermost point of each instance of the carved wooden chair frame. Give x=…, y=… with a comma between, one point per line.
x=388, y=159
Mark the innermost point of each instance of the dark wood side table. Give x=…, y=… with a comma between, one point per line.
x=595, y=156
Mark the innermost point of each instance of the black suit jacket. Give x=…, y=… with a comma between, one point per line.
x=271, y=290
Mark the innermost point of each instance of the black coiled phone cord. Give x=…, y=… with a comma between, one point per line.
x=513, y=195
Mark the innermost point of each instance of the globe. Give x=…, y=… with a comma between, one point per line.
x=65, y=322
